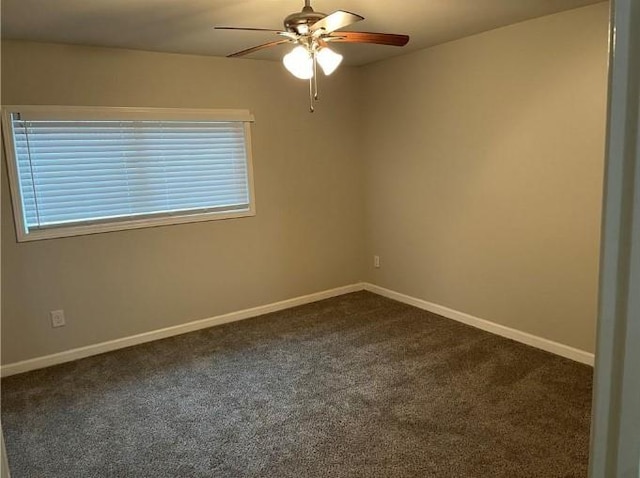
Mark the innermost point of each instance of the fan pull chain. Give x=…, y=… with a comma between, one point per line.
x=313, y=83
x=311, y=109
x=315, y=76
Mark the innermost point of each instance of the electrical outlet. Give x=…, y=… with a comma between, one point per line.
x=376, y=262
x=57, y=318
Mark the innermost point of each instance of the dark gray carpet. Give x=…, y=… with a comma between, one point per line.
x=356, y=386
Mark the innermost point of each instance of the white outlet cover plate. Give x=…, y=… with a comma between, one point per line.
x=57, y=318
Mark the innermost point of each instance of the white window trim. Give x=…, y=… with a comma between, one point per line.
x=90, y=112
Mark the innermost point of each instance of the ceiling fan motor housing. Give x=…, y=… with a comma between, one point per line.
x=306, y=17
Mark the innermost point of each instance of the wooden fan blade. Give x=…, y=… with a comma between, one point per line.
x=368, y=37
x=247, y=29
x=335, y=21
x=257, y=48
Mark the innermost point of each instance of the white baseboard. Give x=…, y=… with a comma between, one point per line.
x=513, y=334
x=82, y=352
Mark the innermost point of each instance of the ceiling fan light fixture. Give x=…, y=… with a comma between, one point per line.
x=329, y=60
x=299, y=62
x=311, y=31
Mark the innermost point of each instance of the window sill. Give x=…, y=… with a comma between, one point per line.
x=86, y=229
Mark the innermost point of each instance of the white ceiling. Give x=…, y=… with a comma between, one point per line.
x=185, y=26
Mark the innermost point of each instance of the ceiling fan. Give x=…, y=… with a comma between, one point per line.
x=312, y=32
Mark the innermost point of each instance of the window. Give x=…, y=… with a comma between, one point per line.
x=82, y=170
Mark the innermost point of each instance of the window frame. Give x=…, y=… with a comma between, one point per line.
x=123, y=113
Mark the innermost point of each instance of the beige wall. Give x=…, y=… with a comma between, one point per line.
x=484, y=165
x=307, y=235
x=474, y=170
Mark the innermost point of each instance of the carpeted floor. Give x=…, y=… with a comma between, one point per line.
x=355, y=386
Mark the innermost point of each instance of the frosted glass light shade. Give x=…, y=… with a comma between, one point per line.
x=329, y=60
x=299, y=63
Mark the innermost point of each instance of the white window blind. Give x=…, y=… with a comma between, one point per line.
x=75, y=172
